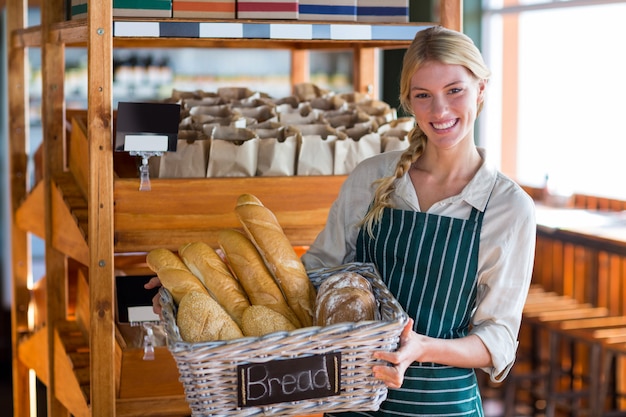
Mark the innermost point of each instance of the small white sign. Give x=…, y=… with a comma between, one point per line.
x=142, y=313
x=145, y=143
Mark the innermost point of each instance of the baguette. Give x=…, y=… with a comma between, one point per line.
x=201, y=319
x=268, y=237
x=249, y=268
x=173, y=273
x=205, y=263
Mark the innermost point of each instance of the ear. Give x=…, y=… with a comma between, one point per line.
x=482, y=86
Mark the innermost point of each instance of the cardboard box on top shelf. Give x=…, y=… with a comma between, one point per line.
x=390, y=11
x=212, y=9
x=127, y=8
x=267, y=9
x=327, y=10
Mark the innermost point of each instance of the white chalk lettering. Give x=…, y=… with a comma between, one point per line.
x=259, y=383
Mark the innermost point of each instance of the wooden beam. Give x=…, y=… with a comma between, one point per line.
x=100, y=209
x=451, y=14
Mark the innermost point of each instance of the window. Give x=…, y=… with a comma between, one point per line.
x=558, y=67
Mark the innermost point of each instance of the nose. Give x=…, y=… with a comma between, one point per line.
x=439, y=105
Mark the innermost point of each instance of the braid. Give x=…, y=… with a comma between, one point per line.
x=386, y=185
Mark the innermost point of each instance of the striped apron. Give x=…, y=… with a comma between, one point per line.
x=429, y=262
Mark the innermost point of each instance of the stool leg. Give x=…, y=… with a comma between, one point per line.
x=605, y=380
x=595, y=401
x=552, y=375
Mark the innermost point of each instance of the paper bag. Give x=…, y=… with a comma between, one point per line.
x=394, y=140
x=304, y=114
x=277, y=151
x=233, y=152
x=361, y=143
x=190, y=158
x=317, y=149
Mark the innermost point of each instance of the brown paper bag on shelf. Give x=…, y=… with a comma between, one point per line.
x=286, y=102
x=190, y=158
x=394, y=140
x=377, y=110
x=317, y=149
x=212, y=100
x=333, y=102
x=308, y=91
x=278, y=148
x=233, y=152
x=361, y=142
x=304, y=114
x=258, y=114
x=233, y=94
x=346, y=118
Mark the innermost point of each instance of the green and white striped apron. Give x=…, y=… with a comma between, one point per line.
x=429, y=262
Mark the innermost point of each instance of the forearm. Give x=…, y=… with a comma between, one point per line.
x=466, y=352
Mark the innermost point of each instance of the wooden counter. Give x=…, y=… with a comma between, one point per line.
x=582, y=253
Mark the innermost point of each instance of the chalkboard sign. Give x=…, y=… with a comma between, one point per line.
x=276, y=381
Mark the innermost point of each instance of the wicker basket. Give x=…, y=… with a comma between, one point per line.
x=209, y=373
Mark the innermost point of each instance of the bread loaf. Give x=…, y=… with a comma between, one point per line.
x=173, y=273
x=205, y=263
x=260, y=320
x=268, y=237
x=346, y=304
x=201, y=319
x=344, y=279
x=345, y=297
x=250, y=270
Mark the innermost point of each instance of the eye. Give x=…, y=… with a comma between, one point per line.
x=420, y=95
x=455, y=90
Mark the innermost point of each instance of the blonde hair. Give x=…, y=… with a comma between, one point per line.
x=433, y=44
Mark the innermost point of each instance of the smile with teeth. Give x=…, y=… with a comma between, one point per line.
x=444, y=125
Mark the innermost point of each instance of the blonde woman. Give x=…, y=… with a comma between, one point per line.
x=452, y=237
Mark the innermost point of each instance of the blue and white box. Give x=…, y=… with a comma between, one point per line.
x=327, y=10
x=389, y=11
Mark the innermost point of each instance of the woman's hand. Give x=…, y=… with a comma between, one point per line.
x=154, y=283
x=409, y=350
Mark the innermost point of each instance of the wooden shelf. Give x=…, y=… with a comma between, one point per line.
x=87, y=215
x=233, y=33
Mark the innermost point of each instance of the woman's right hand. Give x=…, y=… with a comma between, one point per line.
x=154, y=283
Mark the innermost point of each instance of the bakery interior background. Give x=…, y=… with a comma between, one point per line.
x=570, y=98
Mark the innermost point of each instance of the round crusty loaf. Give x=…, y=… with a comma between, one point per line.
x=281, y=259
x=201, y=319
x=249, y=268
x=260, y=320
x=173, y=273
x=344, y=279
x=206, y=264
x=346, y=304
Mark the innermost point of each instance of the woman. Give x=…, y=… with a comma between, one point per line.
x=452, y=237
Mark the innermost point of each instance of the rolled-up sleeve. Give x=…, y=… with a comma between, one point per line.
x=505, y=268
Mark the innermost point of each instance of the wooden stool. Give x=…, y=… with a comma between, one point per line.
x=612, y=390
x=530, y=373
x=579, y=393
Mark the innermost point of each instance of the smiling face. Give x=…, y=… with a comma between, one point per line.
x=445, y=100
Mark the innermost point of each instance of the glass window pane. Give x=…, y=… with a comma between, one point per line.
x=572, y=99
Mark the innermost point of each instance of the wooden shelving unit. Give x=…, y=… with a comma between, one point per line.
x=95, y=223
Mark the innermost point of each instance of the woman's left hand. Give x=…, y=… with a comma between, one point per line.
x=399, y=361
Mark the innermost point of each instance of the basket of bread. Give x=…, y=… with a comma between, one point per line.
x=253, y=333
